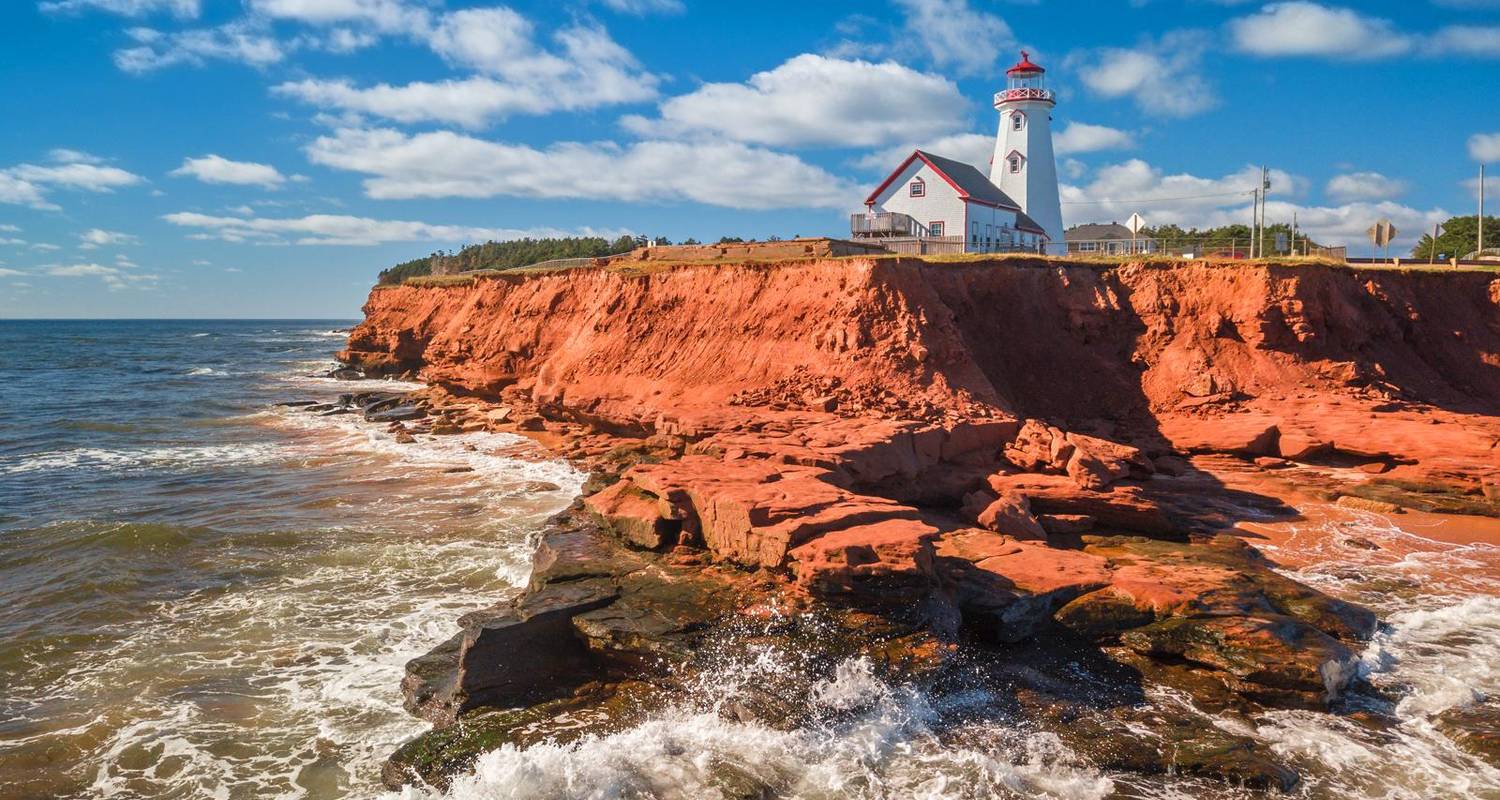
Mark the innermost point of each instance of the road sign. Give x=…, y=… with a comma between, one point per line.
x=1382, y=232
x=1280, y=241
x=1135, y=223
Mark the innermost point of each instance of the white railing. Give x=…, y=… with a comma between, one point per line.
x=1012, y=95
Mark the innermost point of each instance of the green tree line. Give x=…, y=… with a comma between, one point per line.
x=515, y=253
x=1225, y=236
x=524, y=252
x=1460, y=238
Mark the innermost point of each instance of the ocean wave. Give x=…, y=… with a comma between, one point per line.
x=168, y=457
x=1442, y=657
x=874, y=740
x=206, y=371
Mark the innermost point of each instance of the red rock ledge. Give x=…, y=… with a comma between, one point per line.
x=998, y=449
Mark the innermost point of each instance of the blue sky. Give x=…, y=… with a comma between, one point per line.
x=265, y=158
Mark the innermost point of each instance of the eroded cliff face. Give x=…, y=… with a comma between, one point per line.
x=1170, y=349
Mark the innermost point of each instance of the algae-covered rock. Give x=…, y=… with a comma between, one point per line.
x=436, y=756
x=1277, y=653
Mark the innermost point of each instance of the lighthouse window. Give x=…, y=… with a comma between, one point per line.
x=918, y=188
x=1015, y=162
x=1017, y=121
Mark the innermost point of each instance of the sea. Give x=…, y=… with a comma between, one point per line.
x=204, y=594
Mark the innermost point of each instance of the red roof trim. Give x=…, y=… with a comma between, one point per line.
x=1025, y=66
x=916, y=154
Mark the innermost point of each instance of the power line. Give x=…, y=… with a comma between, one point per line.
x=1153, y=200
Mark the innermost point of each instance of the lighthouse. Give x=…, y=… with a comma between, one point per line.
x=1023, y=165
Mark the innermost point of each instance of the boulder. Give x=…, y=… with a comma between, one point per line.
x=634, y=515
x=1096, y=463
x=1038, y=447
x=1007, y=589
x=1297, y=446
x=1121, y=507
x=754, y=512
x=1270, y=656
x=1010, y=514
x=1366, y=504
x=879, y=564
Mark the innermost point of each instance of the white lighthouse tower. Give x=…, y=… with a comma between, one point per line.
x=1023, y=165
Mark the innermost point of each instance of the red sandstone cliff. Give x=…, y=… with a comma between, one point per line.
x=1210, y=356
x=934, y=441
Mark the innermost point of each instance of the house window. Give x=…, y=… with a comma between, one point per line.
x=1088, y=247
x=1015, y=162
x=935, y=228
x=1017, y=121
x=918, y=188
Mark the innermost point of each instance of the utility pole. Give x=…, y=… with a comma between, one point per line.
x=1481, y=209
x=1254, y=218
x=1265, y=189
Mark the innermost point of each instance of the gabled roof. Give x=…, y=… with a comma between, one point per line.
x=971, y=184
x=1094, y=231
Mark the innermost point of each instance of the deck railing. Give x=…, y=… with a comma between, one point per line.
x=884, y=223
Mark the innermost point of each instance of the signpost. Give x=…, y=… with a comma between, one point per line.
x=1437, y=230
x=1135, y=224
x=1381, y=233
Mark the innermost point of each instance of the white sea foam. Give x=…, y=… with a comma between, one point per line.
x=879, y=744
x=206, y=371
x=1441, y=657
x=166, y=457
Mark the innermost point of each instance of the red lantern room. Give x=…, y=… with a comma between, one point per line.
x=1025, y=82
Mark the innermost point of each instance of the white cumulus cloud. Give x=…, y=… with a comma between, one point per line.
x=1161, y=76
x=98, y=237
x=585, y=69
x=386, y=16
x=217, y=169
x=970, y=148
x=447, y=164
x=1081, y=137
x=1364, y=186
x=28, y=184
x=953, y=34
x=1191, y=201
x=129, y=8
x=339, y=229
x=1311, y=29
x=240, y=41
x=816, y=100
x=116, y=277
x=1484, y=147
x=643, y=7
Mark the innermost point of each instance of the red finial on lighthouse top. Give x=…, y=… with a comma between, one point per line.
x=1024, y=66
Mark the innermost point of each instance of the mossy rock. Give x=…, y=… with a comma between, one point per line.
x=436, y=756
x=1428, y=496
